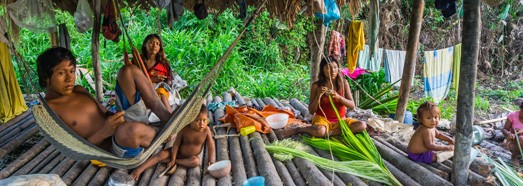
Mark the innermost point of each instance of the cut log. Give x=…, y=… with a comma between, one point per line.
x=269, y=101
x=146, y=177
x=14, y=131
x=101, y=176
x=263, y=161
x=294, y=110
x=86, y=175
x=178, y=178
x=194, y=175
x=227, y=97
x=248, y=157
x=74, y=171
x=46, y=163
x=402, y=177
x=16, y=119
x=334, y=178
x=284, y=174
x=207, y=179
x=491, y=121
x=62, y=167
x=415, y=171
x=22, y=160
x=222, y=154
x=474, y=178
x=260, y=102
x=47, y=155
x=155, y=178
x=238, y=97
x=17, y=141
x=280, y=105
x=52, y=165
x=238, y=168
x=293, y=171
x=254, y=103
x=299, y=106
x=347, y=178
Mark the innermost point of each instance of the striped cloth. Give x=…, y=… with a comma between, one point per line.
x=437, y=73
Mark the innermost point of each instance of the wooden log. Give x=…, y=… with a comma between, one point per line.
x=280, y=105
x=194, y=175
x=227, y=97
x=332, y=176
x=238, y=168
x=402, y=177
x=491, y=121
x=263, y=161
x=347, y=178
x=248, y=157
x=21, y=122
x=74, y=171
x=299, y=106
x=46, y=162
x=16, y=119
x=40, y=158
x=146, y=177
x=310, y=172
x=15, y=130
x=474, y=178
x=269, y=101
x=22, y=160
x=238, y=97
x=51, y=165
x=63, y=166
x=254, y=103
x=222, y=154
x=157, y=170
x=294, y=110
x=260, y=102
x=280, y=167
x=178, y=178
x=207, y=179
x=415, y=171
x=293, y=171
x=86, y=175
x=101, y=176
x=17, y=141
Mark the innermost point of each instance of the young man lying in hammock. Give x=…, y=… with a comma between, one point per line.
x=75, y=106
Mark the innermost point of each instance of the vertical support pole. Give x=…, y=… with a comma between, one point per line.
x=95, y=46
x=465, y=112
x=316, y=42
x=374, y=27
x=410, y=58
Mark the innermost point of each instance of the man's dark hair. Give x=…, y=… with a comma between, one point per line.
x=49, y=59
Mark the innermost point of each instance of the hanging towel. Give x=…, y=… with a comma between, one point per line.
x=335, y=44
x=355, y=43
x=373, y=64
x=437, y=73
x=394, y=62
x=11, y=100
x=455, y=67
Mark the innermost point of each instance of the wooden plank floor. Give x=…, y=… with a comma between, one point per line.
x=247, y=154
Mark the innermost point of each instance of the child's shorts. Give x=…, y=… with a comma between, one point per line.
x=425, y=157
x=320, y=120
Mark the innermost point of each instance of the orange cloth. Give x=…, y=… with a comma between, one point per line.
x=355, y=43
x=243, y=117
x=161, y=91
x=320, y=120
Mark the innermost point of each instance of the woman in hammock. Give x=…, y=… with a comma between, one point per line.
x=157, y=66
x=325, y=122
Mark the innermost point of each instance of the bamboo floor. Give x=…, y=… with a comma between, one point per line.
x=247, y=154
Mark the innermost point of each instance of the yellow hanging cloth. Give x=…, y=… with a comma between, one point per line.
x=11, y=100
x=355, y=43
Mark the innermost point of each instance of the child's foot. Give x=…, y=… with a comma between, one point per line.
x=136, y=174
x=171, y=171
x=290, y=130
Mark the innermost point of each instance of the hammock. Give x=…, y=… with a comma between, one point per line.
x=75, y=147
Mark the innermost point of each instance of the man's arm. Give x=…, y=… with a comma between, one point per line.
x=507, y=130
x=108, y=129
x=211, y=149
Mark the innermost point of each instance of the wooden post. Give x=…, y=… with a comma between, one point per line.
x=410, y=58
x=374, y=27
x=465, y=111
x=95, y=53
x=316, y=42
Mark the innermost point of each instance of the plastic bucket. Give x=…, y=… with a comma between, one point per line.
x=255, y=181
x=407, y=118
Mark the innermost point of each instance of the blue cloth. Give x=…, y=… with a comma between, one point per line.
x=437, y=73
x=216, y=105
x=126, y=152
x=125, y=103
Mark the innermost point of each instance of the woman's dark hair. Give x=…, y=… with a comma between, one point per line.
x=321, y=76
x=521, y=105
x=160, y=57
x=49, y=59
x=427, y=105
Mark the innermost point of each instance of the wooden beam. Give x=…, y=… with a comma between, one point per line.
x=465, y=111
x=410, y=58
x=95, y=53
x=316, y=42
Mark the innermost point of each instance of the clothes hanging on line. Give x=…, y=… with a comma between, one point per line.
x=455, y=67
x=437, y=73
x=394, y=62
x=11, y=99
x=372, y=64
x=355, y=43
x=336, y=46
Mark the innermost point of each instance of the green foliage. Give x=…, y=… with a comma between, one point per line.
x=375, y=91
x=265, y=62
x=481, y=104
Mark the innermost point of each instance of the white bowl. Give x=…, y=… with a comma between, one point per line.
x=220, y=168
x=277, y=121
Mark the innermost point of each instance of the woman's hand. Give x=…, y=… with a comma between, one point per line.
x=330, y=92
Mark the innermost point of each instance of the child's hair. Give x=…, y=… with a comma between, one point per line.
x=321, y=75
x=521, y=105
x=203, y=109
x=160, y=57
x=49, y=59
x=427, y=105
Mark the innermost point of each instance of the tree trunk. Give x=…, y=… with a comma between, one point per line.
x=316, y=42
x=95, y=53
x=374, y=27
x=410, y=58
x=465, y=114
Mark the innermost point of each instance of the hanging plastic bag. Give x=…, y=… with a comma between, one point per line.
x=333, y=12
x=34, y=15
x=83, y=16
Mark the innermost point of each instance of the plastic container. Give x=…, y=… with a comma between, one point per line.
x=277, y=121
x=255, y=181
x=220, y=169
x=478, y=135
x=247, y=130
x=407, y=118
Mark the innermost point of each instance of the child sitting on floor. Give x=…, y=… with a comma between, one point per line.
x=422, y=146
x=186, y=148
x=513, y=126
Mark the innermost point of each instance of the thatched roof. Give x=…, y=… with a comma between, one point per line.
x=284, y=10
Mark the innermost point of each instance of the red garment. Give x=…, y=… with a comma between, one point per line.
x=160, y=69
x=337, y=41
x=326, y=106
